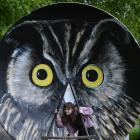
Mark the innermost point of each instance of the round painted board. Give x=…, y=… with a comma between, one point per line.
x=60, y=54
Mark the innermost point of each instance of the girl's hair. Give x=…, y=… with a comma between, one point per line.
x=72, y=117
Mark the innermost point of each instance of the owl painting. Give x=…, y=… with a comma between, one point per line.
x=45, y=53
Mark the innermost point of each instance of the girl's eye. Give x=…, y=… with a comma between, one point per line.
x=42, y=75
x=92, y=76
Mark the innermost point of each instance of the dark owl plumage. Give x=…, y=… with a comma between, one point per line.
x=67, y=48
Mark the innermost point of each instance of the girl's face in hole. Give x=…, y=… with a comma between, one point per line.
x=68, y=111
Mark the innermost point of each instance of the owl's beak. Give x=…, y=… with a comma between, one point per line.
x=68, y=96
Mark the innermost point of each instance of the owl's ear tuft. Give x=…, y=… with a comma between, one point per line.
x=25, y=33
x=112, y=30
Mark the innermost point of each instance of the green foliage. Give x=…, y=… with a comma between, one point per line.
x=13, y=10
x=127, y=11
x=135, y=134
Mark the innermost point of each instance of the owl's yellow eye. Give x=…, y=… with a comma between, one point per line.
x=42, y=75
x=92, y=76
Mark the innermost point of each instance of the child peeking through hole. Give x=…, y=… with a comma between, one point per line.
x=71, y=119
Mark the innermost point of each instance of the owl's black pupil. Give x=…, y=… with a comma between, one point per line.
x=41, y=74
x=92, y=75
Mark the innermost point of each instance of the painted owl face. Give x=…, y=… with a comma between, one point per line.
x=45, y=57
